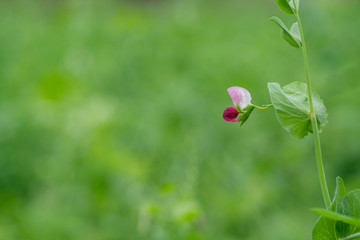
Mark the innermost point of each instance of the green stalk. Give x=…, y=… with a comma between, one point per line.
x=263, y=107
x=319, y=161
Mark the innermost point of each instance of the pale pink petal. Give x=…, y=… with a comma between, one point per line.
x=231, y=114
x=240, y=97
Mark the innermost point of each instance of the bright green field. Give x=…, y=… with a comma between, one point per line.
x=111, y=119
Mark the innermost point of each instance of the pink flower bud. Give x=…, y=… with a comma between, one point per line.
x=231, y=114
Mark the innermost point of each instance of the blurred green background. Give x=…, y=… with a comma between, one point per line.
x=111, y=119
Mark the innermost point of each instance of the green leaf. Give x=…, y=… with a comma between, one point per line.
x=292, y=36
x=285, y=7
x=340, y=192
x=341, y=219
x=324, y=228
x=337, y=216
x=295, y=31
x=244, y=116
x=351, y=204
x=287, y=37
x=292, y=108
x=292, y=5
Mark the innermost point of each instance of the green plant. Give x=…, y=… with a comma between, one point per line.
x=300, y=110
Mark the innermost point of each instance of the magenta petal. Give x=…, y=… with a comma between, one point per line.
x=231, y=114
x=240, y=97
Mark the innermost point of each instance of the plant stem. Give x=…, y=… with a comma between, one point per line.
x=319, y=161
x=262, y=107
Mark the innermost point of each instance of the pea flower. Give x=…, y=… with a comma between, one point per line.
x=242, y=105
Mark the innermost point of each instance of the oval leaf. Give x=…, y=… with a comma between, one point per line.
x=287, y=37
x=292, y=36
x=285, y=7
x=291, y=3
x=292, y=108
x=295, y=31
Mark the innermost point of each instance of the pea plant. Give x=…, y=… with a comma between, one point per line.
x=301, y=111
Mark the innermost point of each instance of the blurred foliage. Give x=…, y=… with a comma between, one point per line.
x=111, y=127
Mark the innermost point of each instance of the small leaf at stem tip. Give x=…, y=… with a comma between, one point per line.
x=292, y=5
x=285, y=6
x=292, y=36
